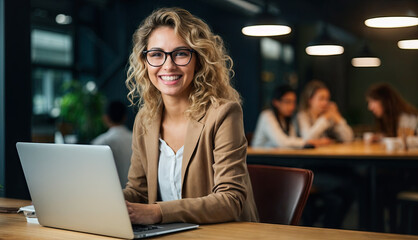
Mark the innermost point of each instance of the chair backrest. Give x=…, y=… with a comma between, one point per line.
x=280, y=192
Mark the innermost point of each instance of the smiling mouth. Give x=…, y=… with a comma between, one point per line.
x=170, y=78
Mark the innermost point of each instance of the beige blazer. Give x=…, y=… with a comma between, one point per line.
x=215, y=183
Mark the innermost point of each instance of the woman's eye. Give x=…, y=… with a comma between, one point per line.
x=181, y=53
x=155, y=54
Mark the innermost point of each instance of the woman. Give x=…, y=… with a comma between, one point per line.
x=336, y=186
x=394, y=116
x=320, y=118
x=189, y=148
x=274, y=126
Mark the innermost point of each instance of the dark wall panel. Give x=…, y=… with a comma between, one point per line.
x=17, y=97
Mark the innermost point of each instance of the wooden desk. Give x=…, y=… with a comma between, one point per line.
x=357, y=154
x=14, y=226
x=354, y=150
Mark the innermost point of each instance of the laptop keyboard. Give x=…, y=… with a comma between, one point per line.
x=141, y=228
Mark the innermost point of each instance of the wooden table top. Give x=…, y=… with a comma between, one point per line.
x=14, y=226
x=356, y=149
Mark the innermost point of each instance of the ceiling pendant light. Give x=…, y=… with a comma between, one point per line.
x=266, y=24
x=324, y=50
x=365, y=62
x=266, y=30
x=365, y=59
x=408, y=44
x=392, y=22
x=323, y=45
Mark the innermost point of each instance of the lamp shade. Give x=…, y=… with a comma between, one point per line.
x=391, y=21
x=266, y=24
x=365, y=62
x=408, y=44
x=324, y=45
x=365, y=58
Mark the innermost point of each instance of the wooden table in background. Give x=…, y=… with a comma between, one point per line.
x=354, y=150
x=14, y=226
x=355, y=154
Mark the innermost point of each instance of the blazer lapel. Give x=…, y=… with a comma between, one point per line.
x=152, y=147
x=194, y=130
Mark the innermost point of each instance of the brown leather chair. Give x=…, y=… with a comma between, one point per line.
x=280, y=192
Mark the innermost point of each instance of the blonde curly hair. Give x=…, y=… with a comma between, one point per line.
x=212, y=79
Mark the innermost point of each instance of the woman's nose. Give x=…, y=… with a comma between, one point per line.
x=169, y=63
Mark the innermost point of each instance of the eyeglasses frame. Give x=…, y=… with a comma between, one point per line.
x=165, y=56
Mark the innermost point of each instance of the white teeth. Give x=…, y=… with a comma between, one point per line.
x=170, y=78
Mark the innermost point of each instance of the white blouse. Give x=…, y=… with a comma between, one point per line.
x=323, y=127
x=169, y=172
x=268, y=133
x=408, y=121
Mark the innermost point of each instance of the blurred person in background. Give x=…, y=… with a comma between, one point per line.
x=275, y=126
x=318, y=117
x=394, y=116
x=118, y=138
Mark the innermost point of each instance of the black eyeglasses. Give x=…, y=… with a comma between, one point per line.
x=180, y=57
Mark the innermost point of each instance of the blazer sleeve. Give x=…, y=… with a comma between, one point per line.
x=136, y=189
x=231, y=181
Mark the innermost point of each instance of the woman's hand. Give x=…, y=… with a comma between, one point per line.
x=333, y=113
x=144, y=213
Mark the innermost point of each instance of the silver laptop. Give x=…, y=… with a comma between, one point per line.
x=76, y=187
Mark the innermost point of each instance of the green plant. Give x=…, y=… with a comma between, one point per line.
x=83, y=109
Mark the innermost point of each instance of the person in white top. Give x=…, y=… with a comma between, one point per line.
x=274, y=126
x=319, y=117
x=118, y=138
x=394, y=115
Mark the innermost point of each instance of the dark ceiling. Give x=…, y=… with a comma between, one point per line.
x=348, y=15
